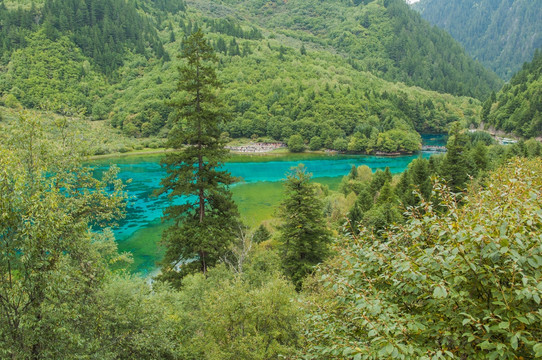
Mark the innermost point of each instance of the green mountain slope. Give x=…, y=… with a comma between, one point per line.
x=104, y=30
x=501, y=34
x=316, y=94
x=517, y=108
x=277, y=80
x=277, y=87
x=384, y=37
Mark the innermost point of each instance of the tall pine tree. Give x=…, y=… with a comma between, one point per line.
x=204, y=226
x=304, y=236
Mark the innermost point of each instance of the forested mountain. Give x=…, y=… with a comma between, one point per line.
x=103, y=30
x=501, y=34
x=316, y=95
x=517, y=107
x=384, y=37
x=324, y=70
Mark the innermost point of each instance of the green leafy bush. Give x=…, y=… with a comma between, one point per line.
x=455, y=282
x=296, y=144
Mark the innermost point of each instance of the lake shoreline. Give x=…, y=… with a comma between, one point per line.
x=272, y=152
x=280, y=151
x=254, y=148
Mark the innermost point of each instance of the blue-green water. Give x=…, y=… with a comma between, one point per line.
x=257, y=195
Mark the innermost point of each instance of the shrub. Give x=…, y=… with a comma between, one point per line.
x=316, y=143
x=11, y=101
x=296, y=144
x=340, y=144
x=461, y=284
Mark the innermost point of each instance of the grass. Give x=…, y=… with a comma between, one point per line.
x=93, y=138
x=144, y=151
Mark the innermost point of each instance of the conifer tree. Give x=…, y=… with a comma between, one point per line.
x=379, y=179
x=403, y=189
x=479, y=158
x=261, y=234
x=454, y=168
x=365, y=200
x=204, y=225
x=384, y=212
x=355, y=215
x=421, y=178
x=304, y=236
x=353, y=172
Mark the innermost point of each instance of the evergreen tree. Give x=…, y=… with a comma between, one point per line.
x=403, y=189
x=355, y=215
x=261, y=234
x=421, y=178
x=221, y=45
x=353, y=172
x=387, y=174
x=454, y=167
x=384, y=212
x=486, y=108
x=379, y=179
x=304, y=236
x=479, y=158
x=204, y=226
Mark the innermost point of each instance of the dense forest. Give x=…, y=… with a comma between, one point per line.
x=441, y=261
x=384, y=37
x=517, y=108
x=102, y=30
x=315, y=85
x=501, y=34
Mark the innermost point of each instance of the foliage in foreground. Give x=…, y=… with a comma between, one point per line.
x=50, y=261
x=239, y=315
x=464, y=283
x=63, y=294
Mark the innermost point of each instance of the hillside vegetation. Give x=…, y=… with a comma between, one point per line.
x=384, y=37
x=338, y=74
x=517, y=108
x=501, y=34
x=456, y=281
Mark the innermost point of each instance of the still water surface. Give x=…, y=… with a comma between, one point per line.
x=257, y=195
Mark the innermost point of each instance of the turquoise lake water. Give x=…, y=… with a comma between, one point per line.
x=257, y=195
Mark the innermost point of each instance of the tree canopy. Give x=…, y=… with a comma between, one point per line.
x=205, y=224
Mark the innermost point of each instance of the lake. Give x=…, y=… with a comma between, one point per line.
x=257, y=195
